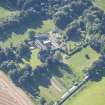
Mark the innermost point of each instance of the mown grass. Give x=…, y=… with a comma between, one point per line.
x=93, y=94
x=79, y=62
x=100, y=4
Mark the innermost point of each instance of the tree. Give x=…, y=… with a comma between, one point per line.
x=2, y=56
x=10, y=54
x=58, y=55
x=11, y=66
x=26, y=76
x=31, y=34
x=24, y=51
x=14, y=75
x=73, y=32
x=97, y=70
x=61, y=19
x=42, y=101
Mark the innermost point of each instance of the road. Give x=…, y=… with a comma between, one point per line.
x=10, y=94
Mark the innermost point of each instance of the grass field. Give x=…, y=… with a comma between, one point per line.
x=93, y=94
x=47, y=26
x=79, y=62
x=100, y=4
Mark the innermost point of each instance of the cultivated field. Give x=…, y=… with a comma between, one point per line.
x=10, y=94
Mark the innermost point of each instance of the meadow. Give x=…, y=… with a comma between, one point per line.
x=80, y=63
x=93, y=94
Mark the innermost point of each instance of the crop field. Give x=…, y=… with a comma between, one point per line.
x=10, y=94
x=80, y=63
x=93, y=94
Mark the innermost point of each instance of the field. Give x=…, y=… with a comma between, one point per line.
x=80, y=63
x=93, y=94
x=10, y=94
x=100, y=4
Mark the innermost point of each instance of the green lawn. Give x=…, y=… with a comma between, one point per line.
x=93, y=94
x=79, y=62
x=100, y=4
x=47, y=26
x=34, y=61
